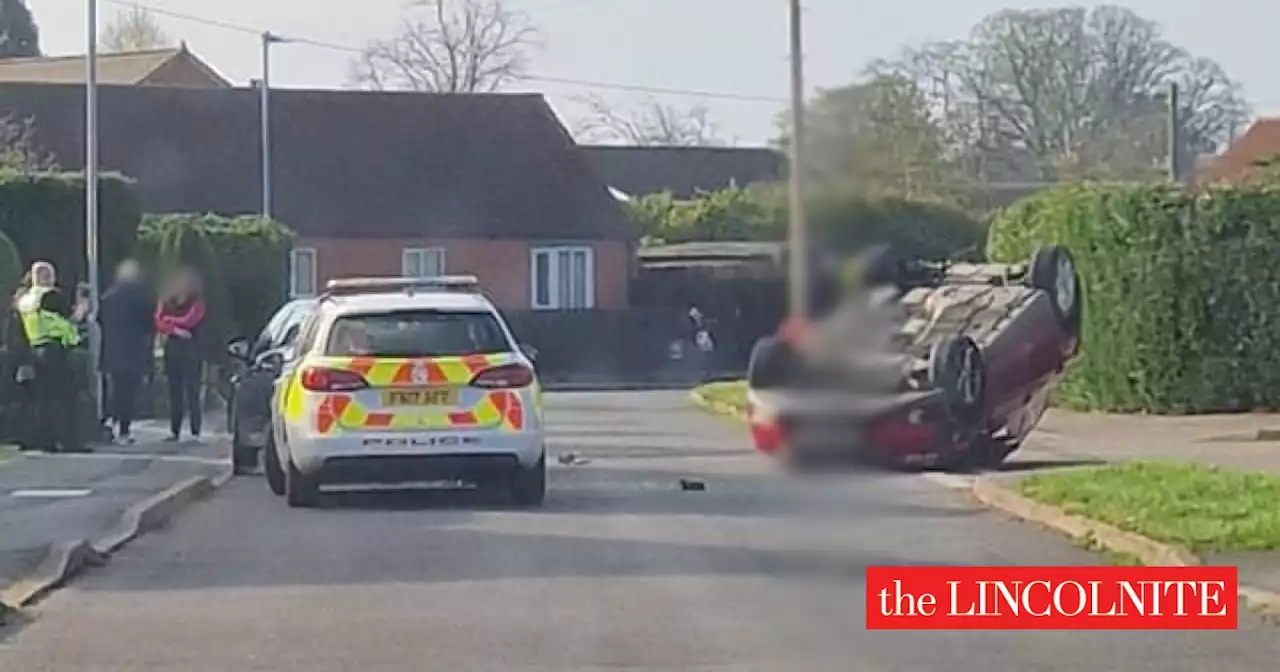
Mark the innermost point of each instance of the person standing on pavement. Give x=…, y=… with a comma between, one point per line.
x=178, y=318
x=128, y=325
x=51, y=335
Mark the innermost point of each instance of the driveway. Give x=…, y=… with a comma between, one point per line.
x=621, y=570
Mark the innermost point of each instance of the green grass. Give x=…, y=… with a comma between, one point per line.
x=725, y=398
x=1198, y=507
x=8, y=452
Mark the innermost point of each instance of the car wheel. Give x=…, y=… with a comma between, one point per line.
x=302, y=491
x=956, y=367
x=529, y=486
x=773, y=363
x=1053, y=270
x=271, y=465
x=243, y=458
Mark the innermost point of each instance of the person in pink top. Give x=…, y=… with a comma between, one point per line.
x=179, y=317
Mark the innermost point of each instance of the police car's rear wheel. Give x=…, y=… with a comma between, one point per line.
x=529, y=486
x=301, y=490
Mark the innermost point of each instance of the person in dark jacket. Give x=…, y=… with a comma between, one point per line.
x=126, y=315
x=178, y=319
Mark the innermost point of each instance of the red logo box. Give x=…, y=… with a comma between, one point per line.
x=1052, y=598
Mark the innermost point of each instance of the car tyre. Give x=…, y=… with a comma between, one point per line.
x=243, y=458
x=528, y=487
x=1053, y=270
x=301, y=491
x=271, y=465
x=956, y=367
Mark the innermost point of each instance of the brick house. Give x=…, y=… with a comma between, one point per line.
x=373, y=183
x=155, y=67
x=1260, y=143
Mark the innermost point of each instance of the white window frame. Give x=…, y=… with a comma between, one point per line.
x=555, y=300
x=294, y=289
x=423, y=254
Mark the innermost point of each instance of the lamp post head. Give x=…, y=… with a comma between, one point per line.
x=271, y=38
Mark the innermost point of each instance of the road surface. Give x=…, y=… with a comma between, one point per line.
x=621, y=570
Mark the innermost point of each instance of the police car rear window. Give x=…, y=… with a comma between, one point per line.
x=423, y=333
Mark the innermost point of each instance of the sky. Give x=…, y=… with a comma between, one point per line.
x=736, y=47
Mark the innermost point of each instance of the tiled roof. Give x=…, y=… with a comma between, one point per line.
x=1260, y=143
x=127, y=68
x=345, y=163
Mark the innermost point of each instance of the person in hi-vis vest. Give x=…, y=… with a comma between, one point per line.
x=50, y=395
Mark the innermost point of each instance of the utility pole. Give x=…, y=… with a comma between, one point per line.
x=798, y=239
x=91, y=202
x=264, y=96
x=1174, y=133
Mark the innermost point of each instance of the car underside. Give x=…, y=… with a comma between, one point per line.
x=928, y=365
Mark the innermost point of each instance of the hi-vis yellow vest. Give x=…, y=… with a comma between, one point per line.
x=43, y=327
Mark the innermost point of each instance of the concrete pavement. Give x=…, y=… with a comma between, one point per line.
x=621, y=570
x=48, y=499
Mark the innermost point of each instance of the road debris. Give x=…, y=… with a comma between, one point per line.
x=692, y=485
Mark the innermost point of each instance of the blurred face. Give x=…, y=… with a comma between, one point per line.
x=42, y=275
x=128, y=272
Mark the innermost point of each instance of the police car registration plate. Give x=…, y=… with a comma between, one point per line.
x=425, y=397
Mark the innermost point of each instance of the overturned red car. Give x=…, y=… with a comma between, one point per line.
x=935, y=365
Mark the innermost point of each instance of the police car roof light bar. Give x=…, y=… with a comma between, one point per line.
x=439, y=283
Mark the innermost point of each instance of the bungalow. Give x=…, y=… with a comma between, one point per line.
x=374, y=183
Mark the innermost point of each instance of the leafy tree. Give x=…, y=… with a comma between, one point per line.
x=880, y=135
x=18, y=149
x=134, y=29
x=841, y=219
x=449, y=46
x=18, y=33
x=734, y=214
x=649, y=124
x=1071, y=92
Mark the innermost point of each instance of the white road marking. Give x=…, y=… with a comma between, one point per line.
x=50, y=493
x=950, y=481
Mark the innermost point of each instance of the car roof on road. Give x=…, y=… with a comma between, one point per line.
x=404, y=301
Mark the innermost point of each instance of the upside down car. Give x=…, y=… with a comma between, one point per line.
x=933, y=365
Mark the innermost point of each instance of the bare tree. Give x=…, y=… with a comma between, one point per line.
x=1059, y=93
x=649, y=124
x=18, y=150
x=449, y=46
x=134, y=29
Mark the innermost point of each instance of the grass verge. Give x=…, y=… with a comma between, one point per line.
x=725, y=398
x=1200, y=508
x=8, y=452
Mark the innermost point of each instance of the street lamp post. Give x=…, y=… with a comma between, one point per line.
x=264, y=95
x=798, y=242
x=91, y=201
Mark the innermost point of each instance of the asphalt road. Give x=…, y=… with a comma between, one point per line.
x=621, y=570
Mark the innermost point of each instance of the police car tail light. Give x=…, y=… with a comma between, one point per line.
x=332, y=380
x=505, y=376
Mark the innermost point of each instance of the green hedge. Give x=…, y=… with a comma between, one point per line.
x=1182, y=292
x=44, y=216
x=840, y=220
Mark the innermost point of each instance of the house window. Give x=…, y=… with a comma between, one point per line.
x=562, y=278
x=422, y=262
x=302, y=272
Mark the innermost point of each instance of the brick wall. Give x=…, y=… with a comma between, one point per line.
x=503, y=266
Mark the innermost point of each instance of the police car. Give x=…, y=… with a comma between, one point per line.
x=404, y=381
